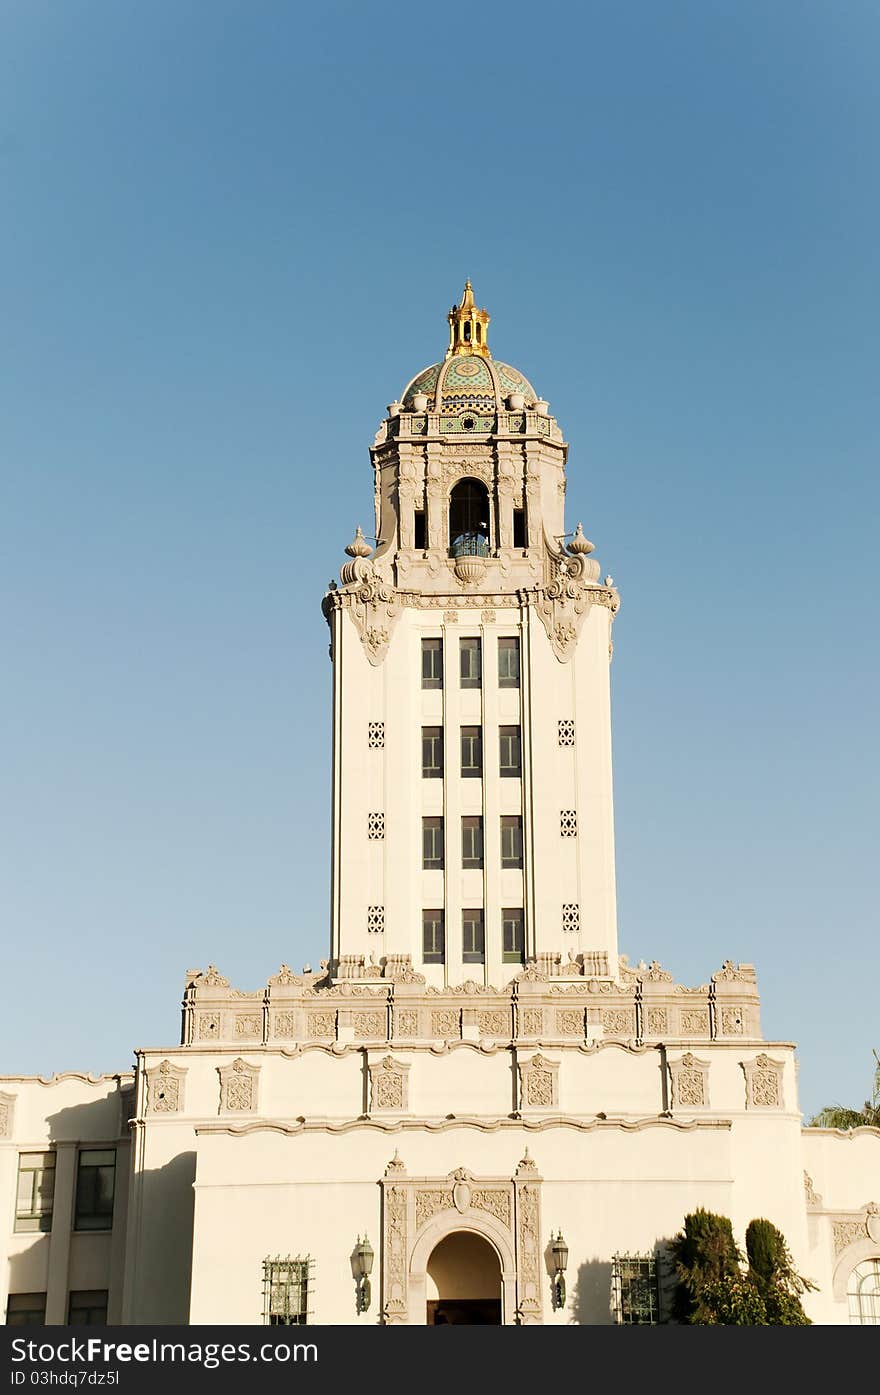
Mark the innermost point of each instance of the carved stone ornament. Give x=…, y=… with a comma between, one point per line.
x=539, y=1083
x=165, y=1089
x=7, y=1109
x=238, y=1087
x=563, y=602
x=763, y=1082
x=212, y=978
x=690, y=1082
x=389, y=1085
x=286, y=978
x=373, y=604
x=812, y=1196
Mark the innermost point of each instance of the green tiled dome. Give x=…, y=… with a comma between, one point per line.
x=466, y=379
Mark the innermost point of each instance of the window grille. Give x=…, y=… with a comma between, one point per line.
x=375, y=826
x=375, y=920
x=286, y=1290
x=376, y=736
x=863, y=1294
x=571, y=917
x=568, y=823
x=635, y=1292
x=566, y=733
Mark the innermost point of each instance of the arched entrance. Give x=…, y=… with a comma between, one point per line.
x=463, y=1281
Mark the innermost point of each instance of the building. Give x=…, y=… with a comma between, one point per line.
x=476, y=1088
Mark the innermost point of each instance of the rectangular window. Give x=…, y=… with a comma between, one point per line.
x=95, y=1185
x=511, y=840
x=36, y=1191
x=473, y=937
x=432, y=753
x=432, y=663
x=26, y=1310
x=471, y=752
x=87, y=1308
x=510, y=751
x=472, y=840
x=286, y=1291
x=520, y=538
x=513, y=938
x=508, y=662
x=433, y=937
x=471, y=662
x=432, y=843
x=635, y=1295
x=420, y=530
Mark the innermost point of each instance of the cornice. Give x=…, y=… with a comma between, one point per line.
x=122, y=1077
x=429, y=1125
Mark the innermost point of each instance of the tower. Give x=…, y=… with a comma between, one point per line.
x=472, y=796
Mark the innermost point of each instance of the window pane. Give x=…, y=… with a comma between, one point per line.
x=35, y=1193
x=472, y=937
x=432, y=753
x=433, y=939
x=519, y=528
x=420, y=530
x=432, y=843
x=511, y=840
x=512, y=935
x=471, y=752
x=88, y=1308
x=508, y=663
x=472, y=840
x=94, y=1189
x=509, y=751
x=471, y=663
x=432, y=663
x=25, y=1309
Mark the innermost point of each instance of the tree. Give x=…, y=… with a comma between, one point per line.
x=712, y=1288
x=841, y=1116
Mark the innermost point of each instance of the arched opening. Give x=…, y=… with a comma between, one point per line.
x=469, y=519
x=464, y=1282
x=863, y=1294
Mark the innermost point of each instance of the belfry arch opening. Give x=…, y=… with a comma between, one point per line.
x=469, y=516
x=464, y=1282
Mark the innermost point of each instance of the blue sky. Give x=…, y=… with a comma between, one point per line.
x=230, y=235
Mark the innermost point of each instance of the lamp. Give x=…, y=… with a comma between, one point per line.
x=361, y=1268
x=559, y=1255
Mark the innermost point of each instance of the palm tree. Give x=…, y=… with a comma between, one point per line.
x=839, y=1116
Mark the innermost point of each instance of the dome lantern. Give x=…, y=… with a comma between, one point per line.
x=468, y=327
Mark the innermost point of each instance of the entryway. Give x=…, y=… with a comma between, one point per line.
x=463, y=1282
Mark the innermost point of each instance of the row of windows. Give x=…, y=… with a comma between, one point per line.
x=433, y=842
x=473, y=936
x=95, y=1187
x=376, y=734
x=470, y=663
x=85, y=1308
x=509, y=752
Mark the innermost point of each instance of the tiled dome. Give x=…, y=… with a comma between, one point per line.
x=466, y=381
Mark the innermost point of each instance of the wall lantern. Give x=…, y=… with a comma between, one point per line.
x=559, y=1254
x=362, y=1268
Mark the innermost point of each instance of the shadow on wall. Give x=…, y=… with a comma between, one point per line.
x=589, y=1300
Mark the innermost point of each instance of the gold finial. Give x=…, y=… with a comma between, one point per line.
x=468, y=327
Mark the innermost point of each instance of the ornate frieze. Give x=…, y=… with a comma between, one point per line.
x=763, y=1078
x=690, y=1082
x=238, y=1087
x=7, y=1112
x=389, y=1085
x=539, y=1083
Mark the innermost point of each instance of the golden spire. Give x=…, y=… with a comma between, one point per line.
x=468, y=327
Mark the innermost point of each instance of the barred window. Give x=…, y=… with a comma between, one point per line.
x=510, y=751
x=568, y=823
x=375, y=826
x=376, y=736
x=286, y=1289
x=375, y=920
x=511, y=840
x=512, y=936
x=566, y=733
x=433, y=937
x=473, y=937
x=432, y=842
x=508, y=662
x=471, y=659
x=863, y=1294
x=36, y=1191
x=635, y=1296
x=432, y=663
x=471, y=752
x=571, y=917
x=472, y=840
x=95, y=1185
x=432, y=753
